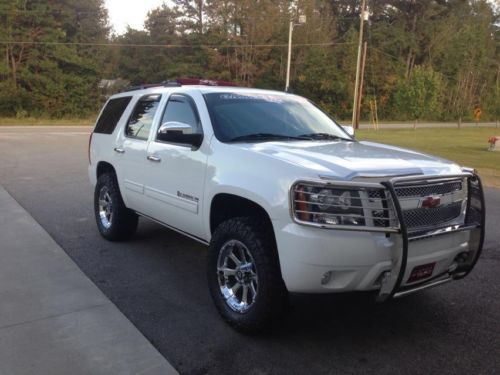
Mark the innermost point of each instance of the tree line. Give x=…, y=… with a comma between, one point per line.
x=426, y=59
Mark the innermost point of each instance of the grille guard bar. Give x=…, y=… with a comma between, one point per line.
x=393, y=279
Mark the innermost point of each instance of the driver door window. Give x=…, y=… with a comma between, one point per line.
x=181, y=109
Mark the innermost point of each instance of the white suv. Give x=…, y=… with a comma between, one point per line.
x=286, y=199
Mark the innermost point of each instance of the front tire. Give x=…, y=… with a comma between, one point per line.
x=114, y=220
x=244, y=275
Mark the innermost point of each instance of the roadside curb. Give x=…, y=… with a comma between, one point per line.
x=53, y=319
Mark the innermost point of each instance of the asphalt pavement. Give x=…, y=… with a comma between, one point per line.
x=157, y=280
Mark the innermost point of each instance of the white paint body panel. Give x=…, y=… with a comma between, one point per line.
x=264, y=173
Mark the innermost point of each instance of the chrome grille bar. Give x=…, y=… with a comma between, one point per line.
x=338, y=196
x=336, y=205
x=343, y=215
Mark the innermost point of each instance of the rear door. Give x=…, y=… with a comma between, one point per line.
x=131, y=147
x=175, y=173
x=101, y=139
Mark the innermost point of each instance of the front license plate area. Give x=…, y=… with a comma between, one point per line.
x=421, y=272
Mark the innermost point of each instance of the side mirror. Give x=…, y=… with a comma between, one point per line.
x=175, y=127
x=178, y=132
x=349, y=130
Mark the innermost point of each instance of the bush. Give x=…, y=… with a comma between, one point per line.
x=419, y=97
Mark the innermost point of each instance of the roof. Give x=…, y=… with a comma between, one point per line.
x=196, y=88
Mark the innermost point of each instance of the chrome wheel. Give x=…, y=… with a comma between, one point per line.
x=105, y=207
x=237, y=275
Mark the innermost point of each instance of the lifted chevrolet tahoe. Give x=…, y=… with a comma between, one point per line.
x=285, y=198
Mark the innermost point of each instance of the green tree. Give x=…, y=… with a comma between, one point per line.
x=193, y=15
x=447, y=48
x=418, y=97
x=44, y=73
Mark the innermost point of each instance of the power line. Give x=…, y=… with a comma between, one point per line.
x=326, y=44
x=23, y=12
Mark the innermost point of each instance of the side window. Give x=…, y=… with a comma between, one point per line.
x=140, y=121
x=111, y=114
x=182, y=109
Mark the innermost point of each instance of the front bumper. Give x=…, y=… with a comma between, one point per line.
x=318, y=260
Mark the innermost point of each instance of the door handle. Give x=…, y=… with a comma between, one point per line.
x=154, y=158
x=119, y=150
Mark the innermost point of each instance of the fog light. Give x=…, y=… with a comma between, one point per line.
x=326, y=277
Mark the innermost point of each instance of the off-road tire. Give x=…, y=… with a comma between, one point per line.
x=124, y=221
x=272, y=298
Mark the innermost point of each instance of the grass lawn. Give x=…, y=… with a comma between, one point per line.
x=31, y=121
x=466, y=146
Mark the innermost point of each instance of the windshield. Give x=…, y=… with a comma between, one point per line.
x=260, y=117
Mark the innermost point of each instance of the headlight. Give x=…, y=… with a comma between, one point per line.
x=326, y=199
x=354, y=207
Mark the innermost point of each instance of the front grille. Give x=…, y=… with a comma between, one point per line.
x=429, y=217
x=426, y=190
x=418, y=218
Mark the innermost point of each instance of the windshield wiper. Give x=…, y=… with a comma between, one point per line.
x=323, y=136
x=268, y=137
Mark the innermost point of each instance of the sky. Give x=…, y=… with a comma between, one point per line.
x=133, y=12
x=129, y=12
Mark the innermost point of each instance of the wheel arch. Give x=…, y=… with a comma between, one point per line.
x=104, y=167
x=225, y=206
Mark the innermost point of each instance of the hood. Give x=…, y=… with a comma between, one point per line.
x=347, y=160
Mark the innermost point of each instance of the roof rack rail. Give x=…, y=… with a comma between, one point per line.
x=169, y=83
x=185, y=81
x=204, y=82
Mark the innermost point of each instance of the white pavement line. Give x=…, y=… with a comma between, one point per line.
x=53, y=319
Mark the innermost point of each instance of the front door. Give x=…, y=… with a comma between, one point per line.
x=176, y=172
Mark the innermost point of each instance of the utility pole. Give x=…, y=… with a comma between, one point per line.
x=358, y=66
x=497, y=96
x=361, y=81
x=289, y=61
x=302, y=20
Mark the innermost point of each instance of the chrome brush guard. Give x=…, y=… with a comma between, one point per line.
x=472, y=219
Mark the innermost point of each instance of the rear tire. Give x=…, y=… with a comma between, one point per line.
x=114, y=220
x=244, y=276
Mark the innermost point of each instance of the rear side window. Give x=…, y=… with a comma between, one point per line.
x=141, y=120
x=111, y=115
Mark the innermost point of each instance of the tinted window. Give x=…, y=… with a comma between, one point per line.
x=111, y=115
x=141, y=119
x=236, y=115
x=181, y=109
